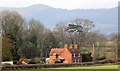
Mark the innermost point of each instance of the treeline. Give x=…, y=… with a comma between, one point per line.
x=30, y=39
x=21, y=38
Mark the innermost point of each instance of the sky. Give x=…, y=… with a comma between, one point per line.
x=64, y=4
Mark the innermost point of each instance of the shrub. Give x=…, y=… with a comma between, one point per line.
x=25, y=60
x=42, y=62
x=37, y=60
x=32, y=62
x=101, y=58
x=86, y=57
x=15, y=62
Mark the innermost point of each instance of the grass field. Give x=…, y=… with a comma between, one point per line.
x=88, y=68
x=92, y=67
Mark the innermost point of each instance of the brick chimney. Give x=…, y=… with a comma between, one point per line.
x=93, y=53
x=70, y=46
x=75, y=46
x=65, y=46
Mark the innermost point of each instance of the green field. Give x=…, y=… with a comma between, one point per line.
x=92, y=67
x=87, y=68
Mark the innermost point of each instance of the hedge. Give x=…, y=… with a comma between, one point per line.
x=36, y=66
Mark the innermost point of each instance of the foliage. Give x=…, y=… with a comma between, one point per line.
x=26, y=51
x=60, y=34
x=101, y=58
x=37, y=60
x=79, y=28
x=6, y=47
x=25, y=60
x=94, y=38
x=86, y=57
x=70, y=67
x=12, y=28
x=30, y=38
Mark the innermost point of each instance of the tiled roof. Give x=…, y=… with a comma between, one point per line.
x=57, y=51
x=73, y=50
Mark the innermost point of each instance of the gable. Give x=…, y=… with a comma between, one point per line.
x=58, y=51
x=67, y=51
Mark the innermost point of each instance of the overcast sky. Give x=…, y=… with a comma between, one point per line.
x=65, y=4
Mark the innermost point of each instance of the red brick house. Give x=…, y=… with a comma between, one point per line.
x=65, y=55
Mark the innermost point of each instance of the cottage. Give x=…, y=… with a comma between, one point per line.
x=65, y=55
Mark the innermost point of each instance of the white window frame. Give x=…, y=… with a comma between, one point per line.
x=78, y=60
x=74, y=54
x=79, y=54
x=75, y=60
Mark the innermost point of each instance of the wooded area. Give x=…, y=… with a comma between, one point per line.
x=23, y=38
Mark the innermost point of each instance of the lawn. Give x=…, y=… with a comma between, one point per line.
x=92, y=67
x=87, y=68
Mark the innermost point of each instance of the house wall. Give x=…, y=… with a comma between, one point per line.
x=68, y=56
x=52, y=59
x=77, y=58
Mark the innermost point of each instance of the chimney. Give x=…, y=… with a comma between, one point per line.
x=75, y=46
x=71, y=46
x=93, y=53
x=65, y=46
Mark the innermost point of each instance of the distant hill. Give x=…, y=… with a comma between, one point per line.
x=106, y=20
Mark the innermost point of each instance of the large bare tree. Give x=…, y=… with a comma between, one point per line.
x=59, y=33
x=78, y=28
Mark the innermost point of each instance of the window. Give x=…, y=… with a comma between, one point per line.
x=57, y=56
x=75, y=61
x=79, y=54
x=78, y=61
x=54, y=54
x=74, y=54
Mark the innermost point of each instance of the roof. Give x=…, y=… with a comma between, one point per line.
x=59, y=51
x=73, y=50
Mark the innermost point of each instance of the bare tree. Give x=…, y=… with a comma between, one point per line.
x=60, y=33
x=79, y=27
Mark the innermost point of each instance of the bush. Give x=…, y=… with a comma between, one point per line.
x=118, y=59
x=42, y=62
x=32, y=62
x=86, y=57
x=15, y=62
x=37, y=60
x=25, y=60
x=101, y=58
